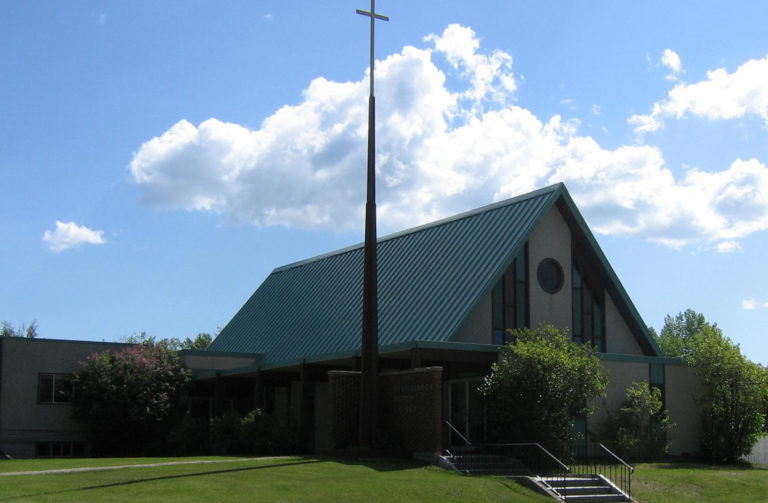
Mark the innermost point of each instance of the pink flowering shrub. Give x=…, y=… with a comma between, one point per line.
x=130, y=399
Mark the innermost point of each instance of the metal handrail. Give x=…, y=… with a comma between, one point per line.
x=465, y=439
x=541, y=447
x=599, y=459
x=631, y=468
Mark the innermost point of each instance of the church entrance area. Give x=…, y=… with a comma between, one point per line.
x=465, y=412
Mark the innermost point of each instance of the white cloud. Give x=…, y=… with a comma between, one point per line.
x=69, y=235
x=439, y=151
x=749, y=304
x=728, y=247
x=765, y=305
x=671, y=60
x=722, y=96
x=595, y=109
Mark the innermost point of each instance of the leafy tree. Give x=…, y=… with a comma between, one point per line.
x=639, y=428
x=7, y=330
x=130, y=399
x=201, y=341
x=542, y=383
x=732, y=399
x=678, y=332
x=734, y=395
x=765, y=400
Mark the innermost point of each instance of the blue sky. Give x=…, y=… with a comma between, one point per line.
x=159, y=159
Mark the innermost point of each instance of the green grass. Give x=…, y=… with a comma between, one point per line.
x=681, y=482
x=298, y=479
x=286, y=479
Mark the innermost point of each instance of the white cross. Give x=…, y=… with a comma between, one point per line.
x=372, y=14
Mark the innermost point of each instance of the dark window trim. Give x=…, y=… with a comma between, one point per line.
x=517, y=279
x=587, y=286
x=561, y=275
x=53, y=400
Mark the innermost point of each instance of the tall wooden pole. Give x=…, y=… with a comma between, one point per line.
x=369, y=347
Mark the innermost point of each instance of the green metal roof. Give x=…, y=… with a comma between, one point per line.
x=431, y=278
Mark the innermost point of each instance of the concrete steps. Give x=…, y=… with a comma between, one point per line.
x=585, y=488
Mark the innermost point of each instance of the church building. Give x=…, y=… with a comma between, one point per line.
x=448, y=291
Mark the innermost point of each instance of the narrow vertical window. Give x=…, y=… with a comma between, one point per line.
x=509, y=299
x=578, y=334
x=521, y=288
x=498, y=313
x=599, y=325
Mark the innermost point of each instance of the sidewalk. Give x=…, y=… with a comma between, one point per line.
x=144, y=465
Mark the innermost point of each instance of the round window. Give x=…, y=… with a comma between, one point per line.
x=550, y=275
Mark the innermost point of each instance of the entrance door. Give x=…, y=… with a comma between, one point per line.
x=465, y=412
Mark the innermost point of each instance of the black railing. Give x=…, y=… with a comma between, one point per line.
x=593, y=458
x=457, y=432
x=538, y=460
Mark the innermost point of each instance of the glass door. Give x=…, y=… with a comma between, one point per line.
x=466, y=412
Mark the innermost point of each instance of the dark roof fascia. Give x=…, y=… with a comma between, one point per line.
x=483, y=209
x=205, y=352
x=33, y=340
x=624, y=302
x=383, y=350
x=620, y=357
x=452, y=346
x=556, y=190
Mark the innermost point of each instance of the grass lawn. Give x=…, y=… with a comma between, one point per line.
x=285, y=479
x=337, y=481
x=675, y=482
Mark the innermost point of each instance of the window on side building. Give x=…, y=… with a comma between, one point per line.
x=55, y=388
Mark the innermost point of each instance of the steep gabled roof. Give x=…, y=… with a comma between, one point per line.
x=430, y=280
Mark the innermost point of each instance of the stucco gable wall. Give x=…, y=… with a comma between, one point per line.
x=618, y=337
x=551, y=239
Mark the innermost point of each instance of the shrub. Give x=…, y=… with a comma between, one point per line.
x=190, y=437
x=541, y=385
x=639, y=429
x=255, y=434
x=225, y=434
x=129, y=400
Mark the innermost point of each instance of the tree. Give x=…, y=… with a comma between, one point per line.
x=639, y=428
x=130, y=399
x=541, y=385
x=733, y=397
x=678, y=332
x=7, y=330
x=201, y=341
